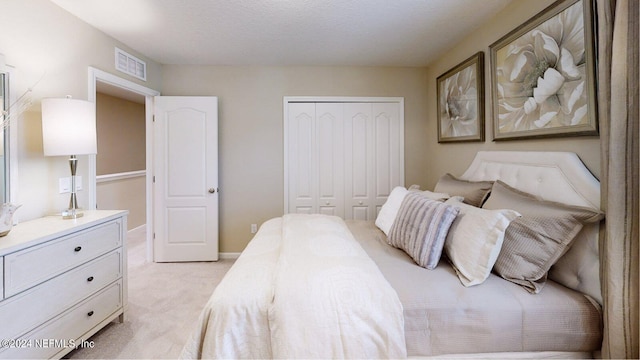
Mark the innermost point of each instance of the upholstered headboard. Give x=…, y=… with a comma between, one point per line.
x=555, y=176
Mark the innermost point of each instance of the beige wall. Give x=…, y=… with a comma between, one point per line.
x=46, y=44
x=126, y=194
x=251, y=130
x=455, y=157
x=120, y=125
x=121, y=148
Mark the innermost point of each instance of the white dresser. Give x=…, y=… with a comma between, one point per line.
x=62, y=281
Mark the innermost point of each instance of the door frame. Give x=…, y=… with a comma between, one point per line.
x=334, y=99
x=95, y=76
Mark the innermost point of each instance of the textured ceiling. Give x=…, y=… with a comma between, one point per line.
x=287, y=32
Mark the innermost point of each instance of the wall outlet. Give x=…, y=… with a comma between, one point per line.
x=254, y=228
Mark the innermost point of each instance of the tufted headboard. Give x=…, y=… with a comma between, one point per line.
x=555, y=176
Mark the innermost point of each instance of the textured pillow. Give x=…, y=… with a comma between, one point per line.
x=421, y=228
x=390, y=208
x=534, y=242
x=473, y=192
x=475, y=239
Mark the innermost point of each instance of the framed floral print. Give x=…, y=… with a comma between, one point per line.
x=461, y=101
x=543, y=80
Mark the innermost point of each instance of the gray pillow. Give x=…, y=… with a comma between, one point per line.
x=535, y=241
x=473, y=192
x=421, y=227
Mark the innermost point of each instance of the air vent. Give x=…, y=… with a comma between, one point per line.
x=131, y=65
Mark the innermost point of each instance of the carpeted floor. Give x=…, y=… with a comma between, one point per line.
x=165, y=300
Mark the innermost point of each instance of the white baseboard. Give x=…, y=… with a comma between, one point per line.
x=138, y=230
x=231, y=256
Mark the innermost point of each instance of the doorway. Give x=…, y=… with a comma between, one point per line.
x=120, y=161
x=103, y=82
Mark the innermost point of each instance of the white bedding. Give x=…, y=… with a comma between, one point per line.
x=273, y=303
x=312, y=292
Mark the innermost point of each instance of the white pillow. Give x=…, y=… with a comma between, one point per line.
x=389, y=210
x=475, y=239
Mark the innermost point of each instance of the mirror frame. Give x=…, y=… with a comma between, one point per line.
x=10, y=190
x=5, y=80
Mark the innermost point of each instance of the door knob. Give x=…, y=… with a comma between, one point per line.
x=212, y=190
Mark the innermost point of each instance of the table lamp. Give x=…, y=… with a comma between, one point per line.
x=69, y=129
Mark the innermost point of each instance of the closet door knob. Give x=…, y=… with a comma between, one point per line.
x=212, y=190
x=90, y=313
x=78, y=248
x=359, y=202
x=90, y=279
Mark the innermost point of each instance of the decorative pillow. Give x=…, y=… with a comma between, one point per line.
x=421, y=228
x=474, y=192
x=475, y=239
x=534, y=242
x=390, y=208
x=436, y=196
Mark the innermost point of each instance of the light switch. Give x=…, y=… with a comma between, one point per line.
x=65, y=185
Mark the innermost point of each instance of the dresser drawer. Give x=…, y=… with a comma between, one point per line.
x=61, y=333
x=31, y=266
x=25, y=311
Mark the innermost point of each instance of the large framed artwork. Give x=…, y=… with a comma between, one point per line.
x=543, y=81
x=461, y=101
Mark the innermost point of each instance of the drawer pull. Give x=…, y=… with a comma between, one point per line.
x=90, y=279
x=90, y=313
x=78, y=248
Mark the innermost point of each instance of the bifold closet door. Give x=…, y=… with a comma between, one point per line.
x=315, y=163
x=373, y=157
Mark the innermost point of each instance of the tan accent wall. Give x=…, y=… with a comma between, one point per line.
x=455, y=157
x=121, y=131
x=251, y=127
x=127, y=194
x=120, y=126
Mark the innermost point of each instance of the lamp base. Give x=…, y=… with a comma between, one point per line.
x=72, y=214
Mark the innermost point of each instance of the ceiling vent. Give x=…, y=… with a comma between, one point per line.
x=131, y=65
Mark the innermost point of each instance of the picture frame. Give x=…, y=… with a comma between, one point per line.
x=460, y=101
x=543, y=75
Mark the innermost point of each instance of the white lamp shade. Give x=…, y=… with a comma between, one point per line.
x=68, y=127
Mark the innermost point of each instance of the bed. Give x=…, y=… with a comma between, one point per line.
x=315, y=286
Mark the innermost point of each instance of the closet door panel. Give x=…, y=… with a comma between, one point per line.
x=330, y=149
x=302, y=173
x=359, y=182
x=343, y=158
x=387, y=151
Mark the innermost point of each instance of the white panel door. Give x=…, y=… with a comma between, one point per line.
x=330, y=158
x=387, y=152
x=373, y=155
x=186, y=179
x=315, y=161
x=302, y=174
x=359, y=181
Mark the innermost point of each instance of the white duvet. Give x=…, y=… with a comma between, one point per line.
x=303, y=288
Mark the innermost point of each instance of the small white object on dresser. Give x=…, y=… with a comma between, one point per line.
x=61, y=282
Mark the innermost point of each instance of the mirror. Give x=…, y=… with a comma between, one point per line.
x=4, y=136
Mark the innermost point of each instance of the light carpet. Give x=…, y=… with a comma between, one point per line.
x=165, y=300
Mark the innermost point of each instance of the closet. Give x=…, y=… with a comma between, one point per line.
x=343, y=156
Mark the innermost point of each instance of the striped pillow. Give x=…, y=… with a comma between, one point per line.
x=534, y=242
x=421, y=227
